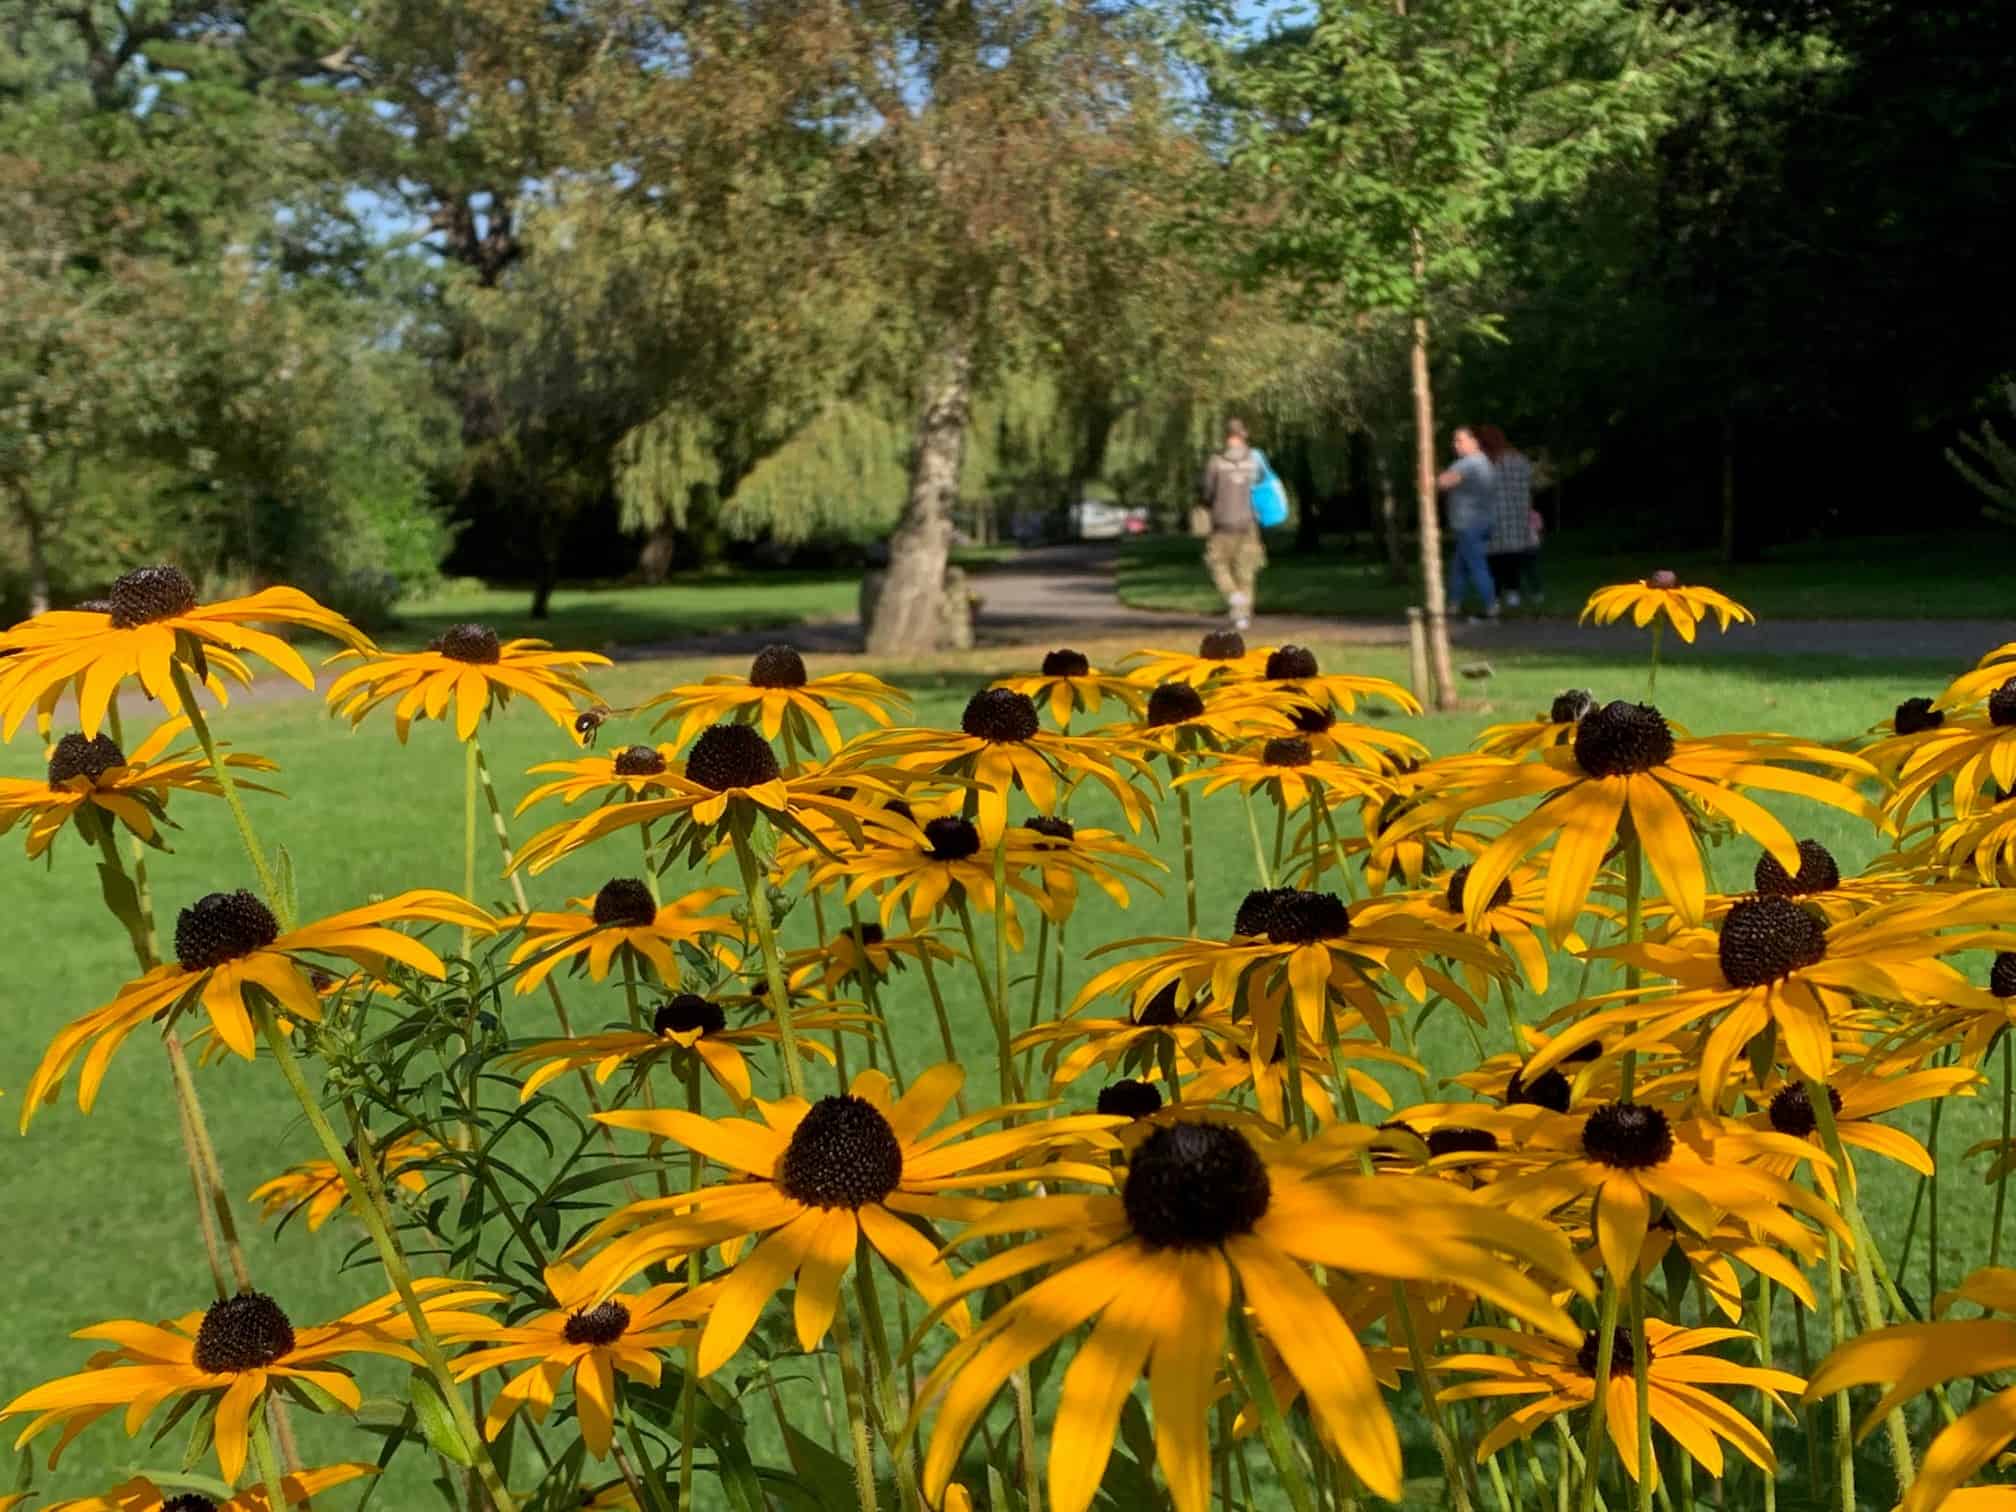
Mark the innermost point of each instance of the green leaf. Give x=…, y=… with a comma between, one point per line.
x=120, y=897
x=283, y=882
x=314, y=1398
x=829, y=1477
x=1676, y=1272
x=437, y=1423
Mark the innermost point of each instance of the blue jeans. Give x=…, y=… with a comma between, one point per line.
x=1468, y=564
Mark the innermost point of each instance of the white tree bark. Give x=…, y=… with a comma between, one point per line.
x=908, y=617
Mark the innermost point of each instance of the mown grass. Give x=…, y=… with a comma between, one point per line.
x=1935, y=575
x=99, y=1209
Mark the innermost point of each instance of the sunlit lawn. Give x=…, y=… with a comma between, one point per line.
x=99, y=1209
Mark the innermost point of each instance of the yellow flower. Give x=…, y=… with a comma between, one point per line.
x=855, y=956
x=316, y=1187
x=1912, y=1357
x=469, y=668
x=932, y=863
x=620, y=921
x=1071, y=685
x=1662, y=594
x=629, y=773
x=1204, y=1203
x=228, y=944
x=1064, y=852
x=1984, y=839
x=1001, y=746
x=149, y=622
x=817, y=1179
x=1178, y=718
x=1978, y=755
x=1561, y=1379
x=1287, y=770
x=779, y=697
x=1512, y=918
x=92, y=776
x=1993, y=671
x=590, y=1334
x=235, y=1352
x=1291, y=675
x=1222, y=656
x=1540, y=733
x=142, y=1495
x=1328, y=737
x=685, y=1023
x=1625, y=762
x=1857, y=1095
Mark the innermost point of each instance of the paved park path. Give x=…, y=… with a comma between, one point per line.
x=1057, y=595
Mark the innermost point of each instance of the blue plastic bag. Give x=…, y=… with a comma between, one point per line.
x=1270, y=498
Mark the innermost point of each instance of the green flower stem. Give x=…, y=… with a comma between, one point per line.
x=1641, y=1370
x=1932, y=1197
x=1459, y=1473
x=758, y=891
x=1025, y=1431
x=1260, y=867
x=1844, y=1426
x=268, y=883
x=269, y=1467
x=1010, y=1075
x=892, y=1406
x=1273, y=1430
x=689, y=1398
x=1606, y=1342
x=205, y=1224
x=1652, y=679
x=1042, y=967
x=871, y=992
x=468, y=829
x=1280, y=833
x=1189, y=860
x=1872, y=1305
x=944, y=1024
x=1765, y=1411
x=863, y=1453
x=648, y=1489
x=1511, y=1016
x=370, y=1208
x=2002, y=1181
x=995, y=1012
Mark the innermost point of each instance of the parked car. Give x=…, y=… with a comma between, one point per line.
x=1103, y=520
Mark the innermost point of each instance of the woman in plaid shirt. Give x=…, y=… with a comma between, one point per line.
x=1515, y=532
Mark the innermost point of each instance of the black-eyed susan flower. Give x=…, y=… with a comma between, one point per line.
x=1177, y=718
x=315, y=1187
x=1222, y=656
x=730, y=778
x=1070, y=684
x=1858, y=1095
x=151, y=623
x=1065, y=852
x=1978, y=754
x=1910, y=1358
x=933, y=864
x=1289, y=946
x=89, y=777
x=622, y=919
x=228, y=945
x=469, y=668
x=1991, y=673
x=1817, y=884
x=591, y=1334
x=1291, y=675
x=1772, y=963
x=1540, y=733
x=1560, y=1379
x=778, y=697
x=1625, y=1156
x=1983, y=839
x=1663, y=596
x=816, y=1179
x=1285, y=768
x=860, y=956
x=684, y=1024
x=631, y=772
x=1205, y=1205
x=233, y=1354
x=141, y=1494
x=1328, y=737
x=1154, y=1031
x=1512, y=918
x=1000, y=747
x=1625, y=764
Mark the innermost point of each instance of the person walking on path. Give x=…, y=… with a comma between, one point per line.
x=1233, y=553
x=1472, y=488
x=1515, y=530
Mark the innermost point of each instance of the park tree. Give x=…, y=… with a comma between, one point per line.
x=1400, y=140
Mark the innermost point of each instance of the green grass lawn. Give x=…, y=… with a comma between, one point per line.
x=1932, y=576
x=99, y=1210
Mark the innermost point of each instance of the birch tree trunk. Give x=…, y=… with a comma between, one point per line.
x=908, y=617
x=1431, y=527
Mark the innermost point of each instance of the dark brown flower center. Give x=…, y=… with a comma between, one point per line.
x=1174, y=703
x=951, y=839
x=2002, y=975
x=1222, y=645
x=222, y=927
x=686, y=1013
x=245, y=1332
x=1286, y=751
x=1311, y=720
x=1194, y=1185
x=1623, y=1353
x=1627, y=1136
x=1050, y=827
x=625, y=903
x=1289, y=916
x=1000, y=715
x=1792, y=1109
x=1287, y=663
x=1460, y=878
x=75, y=756
x=1571, y=706
x=639, y=761
x=147, y=594
x=777, y=667
x=2002, y=704
x=1066, y=664
x=1160, y=1011
x=1128, y=1098
x=1915, y=716
x=842, y=1155
x=189, y=1501
x=1456, y=1139
x=1622, y=738
x=604, y=1323
x=731, y=756
x=475, y=644
x=1550, y=1090
x=1817, y=872
x=867, y=934
x=1767, y=939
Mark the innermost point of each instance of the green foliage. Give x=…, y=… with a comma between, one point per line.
x=1989, y=463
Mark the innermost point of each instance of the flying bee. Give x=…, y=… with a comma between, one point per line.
x=588, y=723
